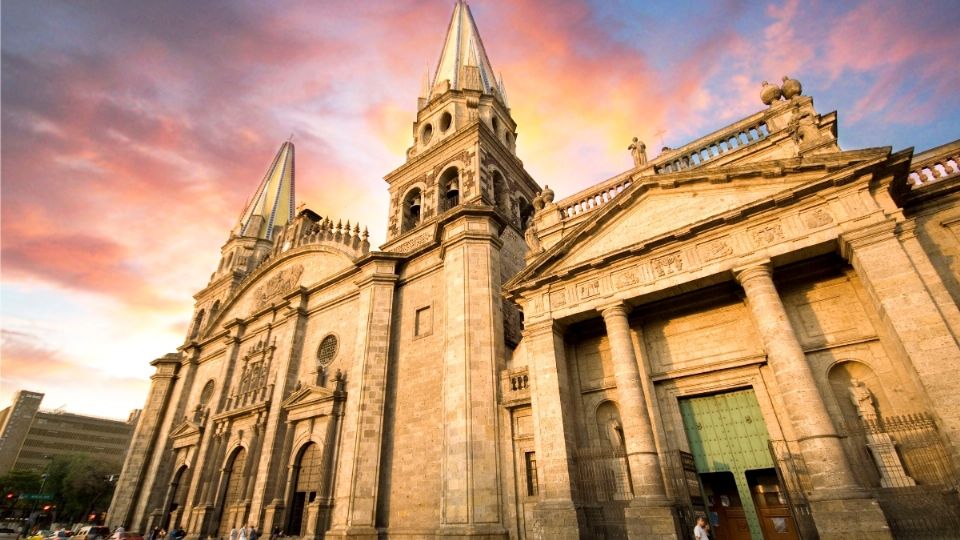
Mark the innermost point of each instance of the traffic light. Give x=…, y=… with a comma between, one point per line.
x=47, y=507
x=11, y=495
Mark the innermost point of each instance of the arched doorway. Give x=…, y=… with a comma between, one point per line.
x=178, y=497
x=306, y=487
x=233, y=479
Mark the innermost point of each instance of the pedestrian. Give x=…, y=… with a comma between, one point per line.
x=234, y=534
x=253, y=533
x=154, y=533
x=244, y=533
x=700, y=531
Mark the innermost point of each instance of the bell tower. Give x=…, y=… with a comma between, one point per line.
x=464, y=141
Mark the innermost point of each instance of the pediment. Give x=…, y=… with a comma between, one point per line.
x=186, y=433
x=302, y=267
x=309, y=401
x=654, y=209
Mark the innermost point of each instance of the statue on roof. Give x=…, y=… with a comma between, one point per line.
x=639, y=152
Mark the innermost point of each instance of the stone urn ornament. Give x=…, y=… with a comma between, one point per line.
x=547, y=196
x=791, y=88
x=769, y=93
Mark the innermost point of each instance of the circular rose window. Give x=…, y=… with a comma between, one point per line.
x=327, y=351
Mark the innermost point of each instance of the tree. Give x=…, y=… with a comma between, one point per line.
x=80, y=485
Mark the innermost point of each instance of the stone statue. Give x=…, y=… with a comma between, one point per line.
x=533, y=240
x=862, y=399
x=615, y=433
x=639, y=152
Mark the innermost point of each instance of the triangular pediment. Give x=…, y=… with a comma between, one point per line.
x=655, y=209
x=186, y=433
x=307, y=394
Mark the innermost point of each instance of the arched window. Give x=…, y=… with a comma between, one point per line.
x=307, y=482
x=215, y=309
x=450, y=188
x=495, y=124
x=197, y=323
x=234, y=479
x=412, y=210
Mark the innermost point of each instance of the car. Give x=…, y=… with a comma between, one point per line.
x=92, y=532
x=39, y=535
x=7, y=533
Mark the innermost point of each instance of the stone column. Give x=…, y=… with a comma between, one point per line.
x=650, y=513
x=555, y=438
x=472, y=356
x=840, y=508
x=910, y=315
x=358, y=473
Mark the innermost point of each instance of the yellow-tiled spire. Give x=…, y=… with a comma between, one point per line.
x=273, y=203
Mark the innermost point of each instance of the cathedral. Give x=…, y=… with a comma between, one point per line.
x=757, y=327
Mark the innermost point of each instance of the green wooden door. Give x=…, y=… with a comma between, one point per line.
x=727, y=433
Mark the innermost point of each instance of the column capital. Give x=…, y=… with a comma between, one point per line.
x=615, y=309
x=542, y=327
x=753, y=270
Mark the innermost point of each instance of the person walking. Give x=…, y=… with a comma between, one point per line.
x=234, y=534
x=253, y=533
x=244, y=533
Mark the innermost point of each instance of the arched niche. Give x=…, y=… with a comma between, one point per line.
x=501, y=198
x=842, y=377
x=609, y=426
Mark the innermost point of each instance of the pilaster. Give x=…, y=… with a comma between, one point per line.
x=555, y=438
x=910, y=315
x=358, y=474
x=650, y=512
x=133, y=478
x=471, y=358
x=839, y=506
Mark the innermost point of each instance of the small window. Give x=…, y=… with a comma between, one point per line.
x=445, y=121
x=495, y=124
x=423, y=322
x=206, y=393
x=412, y=205
x=426, y=134
x=327, y=351
x=530, y=463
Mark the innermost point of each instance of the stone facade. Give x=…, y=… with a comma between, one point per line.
x=681, y=338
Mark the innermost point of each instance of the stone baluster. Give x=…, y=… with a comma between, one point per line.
x=838, y=504
x=649, y=514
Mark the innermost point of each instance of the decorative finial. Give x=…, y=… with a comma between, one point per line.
x=769, y=93
x=790, y=88
x=290, y=138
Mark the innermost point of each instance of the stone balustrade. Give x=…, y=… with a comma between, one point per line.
x=708, y=148
x=935, y=165
x=593, y=198
x=515, y=385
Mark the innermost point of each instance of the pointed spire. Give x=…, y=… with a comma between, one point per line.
x=463, y=47
x=503, y=91
x=273, y=203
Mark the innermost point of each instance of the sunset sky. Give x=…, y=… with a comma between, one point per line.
x=133, y=132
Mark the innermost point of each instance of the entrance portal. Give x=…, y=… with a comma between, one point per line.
x=729, y=442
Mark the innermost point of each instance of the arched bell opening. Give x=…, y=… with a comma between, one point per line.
x=412, y=210
x=450, y=188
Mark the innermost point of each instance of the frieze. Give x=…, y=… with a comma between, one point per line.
x=588, y=289
x=627, y=277
x=415, y=242
x=816, y=218
x=767, y=234
x=558, y=299
x=282, y=282
x=668, y=264
x=715, y=249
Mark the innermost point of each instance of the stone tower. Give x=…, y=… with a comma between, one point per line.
x=458, y=206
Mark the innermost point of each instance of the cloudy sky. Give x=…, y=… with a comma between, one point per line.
x=133, y=132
